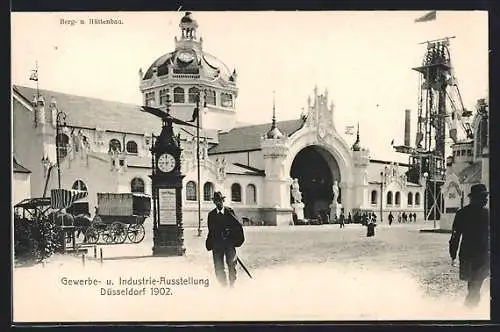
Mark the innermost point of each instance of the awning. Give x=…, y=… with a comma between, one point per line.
x=33, y=203
x=63, y=198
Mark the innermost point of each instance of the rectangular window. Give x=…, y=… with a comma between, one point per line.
x=150, y=98
x=226, y=100
x=163, y=96
x=210, y=97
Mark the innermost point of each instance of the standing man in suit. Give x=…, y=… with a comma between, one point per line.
x=471, y=225
x=225, y=234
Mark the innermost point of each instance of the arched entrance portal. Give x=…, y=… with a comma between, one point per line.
x=316, y=169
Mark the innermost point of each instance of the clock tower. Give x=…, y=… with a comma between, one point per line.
x=167, y=192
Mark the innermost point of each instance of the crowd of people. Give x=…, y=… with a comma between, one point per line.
x=366, y=217
x=403, y=217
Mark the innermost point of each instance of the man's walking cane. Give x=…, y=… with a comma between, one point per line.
x=243, y=266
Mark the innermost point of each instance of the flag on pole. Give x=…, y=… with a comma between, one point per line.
x=430, y=16
x=34, y=75
x=349, y=130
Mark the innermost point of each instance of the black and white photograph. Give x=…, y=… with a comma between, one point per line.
x=242, y=166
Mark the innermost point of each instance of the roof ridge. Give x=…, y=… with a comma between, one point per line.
x=264, y=123
x=16, y=86
x=248, y=167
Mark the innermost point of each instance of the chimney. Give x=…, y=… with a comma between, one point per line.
x=407, y=127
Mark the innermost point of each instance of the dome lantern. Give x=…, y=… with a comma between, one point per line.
x=356, y=146
x=274, y=132
x=188, y=26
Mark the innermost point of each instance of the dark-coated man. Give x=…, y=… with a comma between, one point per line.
x=471, y=226
x=225, y=234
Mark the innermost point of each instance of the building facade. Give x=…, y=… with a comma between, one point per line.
x=469, y=165
x=21, y=182
x=104, y=146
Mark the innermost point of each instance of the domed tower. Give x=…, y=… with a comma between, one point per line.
x=275, y=148
x=183, y=75
x=361, y=162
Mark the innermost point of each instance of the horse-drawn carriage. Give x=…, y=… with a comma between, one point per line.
x=118, y=217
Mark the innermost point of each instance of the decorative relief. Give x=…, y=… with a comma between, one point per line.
x=99, y=136
x=221, y=168
x=393, y=175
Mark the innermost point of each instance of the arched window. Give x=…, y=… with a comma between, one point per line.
x=226, y=100
x=410, y=199
x=417, y=199
x=191, y=191
x=115, y=145
x=79, y=185
x=373, y=197
x=137, y=185
x=210, y=97
x=131, y=147
x=397, y=198
x=208, y=191
x=236, y=192
x=251, y=194
x=62, y=141
x=389, y=198
x=193, y=93
x=178, y=95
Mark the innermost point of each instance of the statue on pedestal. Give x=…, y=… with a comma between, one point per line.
x=297, y=205
x=296, y=194
x=335, y=190
x=335, y=206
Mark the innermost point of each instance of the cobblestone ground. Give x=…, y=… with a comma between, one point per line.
x=299, y=273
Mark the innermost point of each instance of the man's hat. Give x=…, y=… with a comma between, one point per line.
x=478, y=190
x=218, y=195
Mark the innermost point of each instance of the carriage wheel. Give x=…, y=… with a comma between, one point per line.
x=108, y=235
x=136, y=233
x=92, y=235
x=119, y=232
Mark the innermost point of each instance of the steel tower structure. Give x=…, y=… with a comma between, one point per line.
x=439, y=106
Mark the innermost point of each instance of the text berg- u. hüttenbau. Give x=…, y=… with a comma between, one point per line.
x=104, y=21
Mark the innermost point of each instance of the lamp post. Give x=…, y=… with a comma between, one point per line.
x=60, y=122
x=426, y=175
x=198, y=187
x=197, y=114
x=381, y=194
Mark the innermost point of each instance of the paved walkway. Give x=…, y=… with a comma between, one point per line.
x=300, y=273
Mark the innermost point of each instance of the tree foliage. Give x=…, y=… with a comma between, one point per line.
x=35, y=239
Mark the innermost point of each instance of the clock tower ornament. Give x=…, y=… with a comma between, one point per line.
x=167, y=187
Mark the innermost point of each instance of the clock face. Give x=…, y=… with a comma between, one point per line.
x=166, y=163
x=185, y=56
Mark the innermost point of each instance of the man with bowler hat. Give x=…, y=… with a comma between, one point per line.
x=225, y=234
x=471, y=226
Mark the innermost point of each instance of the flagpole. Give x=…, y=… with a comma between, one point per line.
x=37, y=88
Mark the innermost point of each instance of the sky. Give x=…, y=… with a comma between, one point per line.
x=363, y=59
